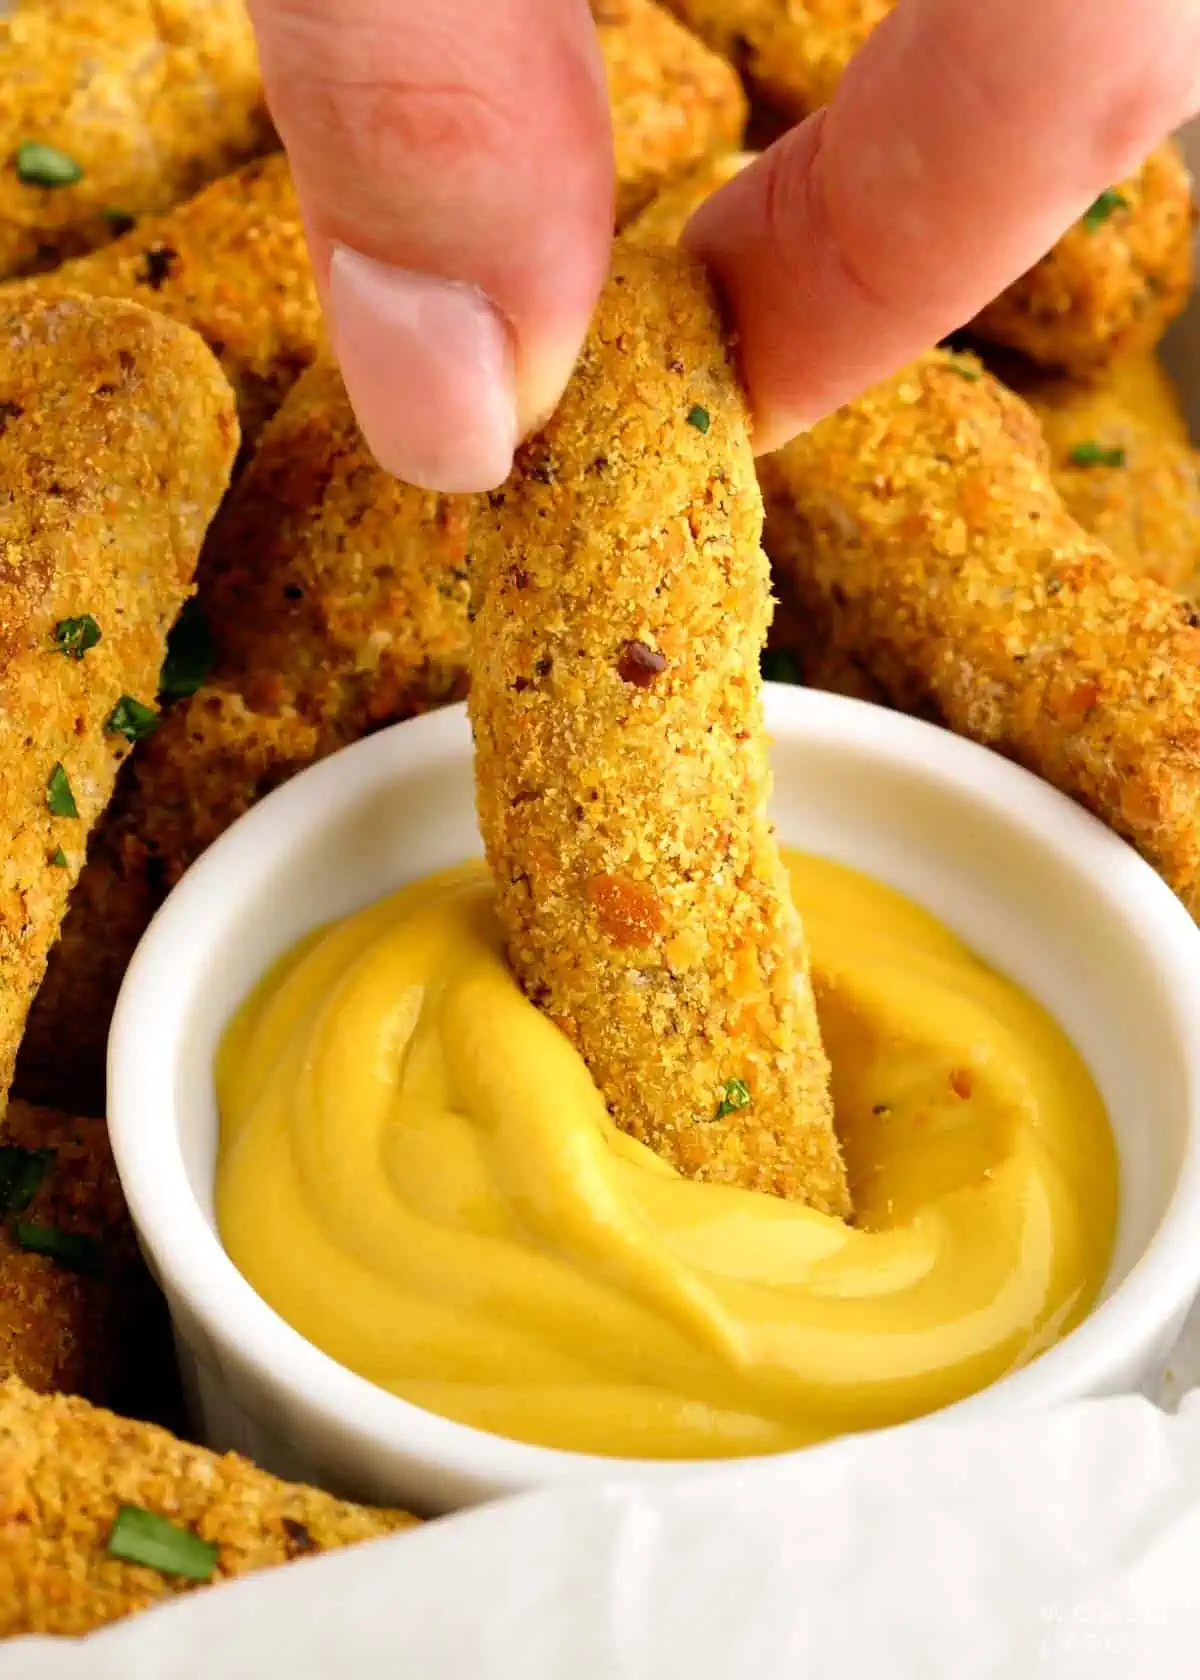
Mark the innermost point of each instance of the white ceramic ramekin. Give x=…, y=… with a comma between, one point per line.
x=1035, y=885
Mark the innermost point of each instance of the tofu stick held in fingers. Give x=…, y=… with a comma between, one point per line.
x=622, y=599
x=117, y=434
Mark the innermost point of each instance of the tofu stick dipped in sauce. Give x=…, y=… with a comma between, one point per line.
x=622, y=599
x=533, y=1150
x=672, y=100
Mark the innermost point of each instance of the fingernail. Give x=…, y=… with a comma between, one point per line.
x=428, y=364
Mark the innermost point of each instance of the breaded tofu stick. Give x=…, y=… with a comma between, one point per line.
x=792, y=653
x=668, y=213
x=66, y=1471
x=1144, y=387
x=337, y=600
x=1114, y=282
x=672, y=100
x=621, y=761
x=68, y=1256
x=1131, y=479
x=117, y=432
x=1125, y=479
x=111, y=108
x=791, y=52
x=922, y=530
x=231, y=264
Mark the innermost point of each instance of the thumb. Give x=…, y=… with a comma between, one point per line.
x=454, y=168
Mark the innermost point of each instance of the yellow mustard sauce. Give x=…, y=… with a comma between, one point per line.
x=417, y=1173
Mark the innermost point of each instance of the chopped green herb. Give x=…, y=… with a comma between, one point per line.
x=39, y=165
x=70, y=1248
x=737, y=1095
x=59, y=796
x=129, y=717
x=74, y=636
x=964, y=370
x=1093, y=454
x=778, y=665
x=21, y=1175
x=699, y=417
x=1109, y=201
x=190, y=654
x=59, y=858
x=139, y=1536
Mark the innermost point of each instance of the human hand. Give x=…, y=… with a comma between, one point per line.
x=454, y=165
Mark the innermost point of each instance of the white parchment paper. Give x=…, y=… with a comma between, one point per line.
x=1062, y=1545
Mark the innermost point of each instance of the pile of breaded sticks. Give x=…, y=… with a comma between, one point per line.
x=207, y=585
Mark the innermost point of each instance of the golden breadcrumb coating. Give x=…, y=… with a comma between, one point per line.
x=1127, y=474
x=1145, y=507
x=672, y=100
x=793, y=656
x=1145, y=510
x=117, y=433
x=66, y=1469
x=231, y=264
x=1112, y=284
x=923, y=534
x=62, y=1326
x=338, y=603
x=669, y=212
x=792, y=52
x=143, y=100
x=622, y=600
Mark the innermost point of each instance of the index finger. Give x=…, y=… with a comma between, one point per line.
x=961, y=142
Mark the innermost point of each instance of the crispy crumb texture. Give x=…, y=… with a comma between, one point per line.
x=117, y=433
x=792, y=55
x=621, y=761
x=146, y=99
x=62, y=1327
x=921, y=530
x=66, y=1468
x=1109, y=287
x=1123, y=465
x=1112, y=284
x=231, y=264
x=338, y=602
x=672, y=100
x=669, y=211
